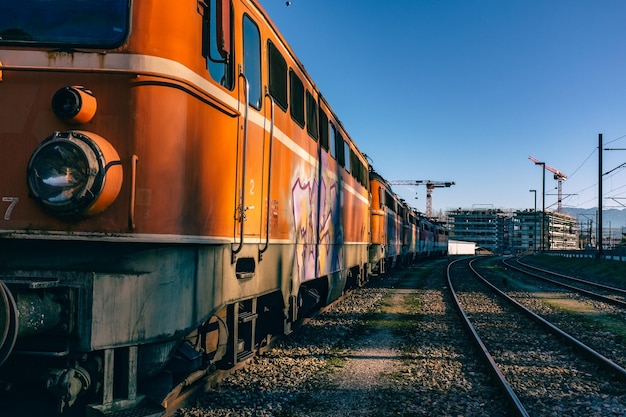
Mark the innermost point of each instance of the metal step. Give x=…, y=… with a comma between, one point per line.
x=242, y=356
x=126, y=408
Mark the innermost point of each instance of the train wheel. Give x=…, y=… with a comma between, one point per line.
x=214, y=337
x=8, y=322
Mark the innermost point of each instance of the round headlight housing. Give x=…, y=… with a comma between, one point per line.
x=75, y=173
x=74, y=104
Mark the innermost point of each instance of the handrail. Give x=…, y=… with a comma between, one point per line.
x=133, y=191
x=240, y=211
x=269, y=180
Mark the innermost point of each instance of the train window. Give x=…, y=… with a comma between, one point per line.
x=278, y=75
x=323, y=130
x=65, y=24
x=252, y=61
x=354, y=163
x=332, y=137
x=339, y=144
x=365, y=176
x=311, y=115
x=296, y=98
x=346, y=155
x=217, y=41
x=358, y=169
x=390, y=202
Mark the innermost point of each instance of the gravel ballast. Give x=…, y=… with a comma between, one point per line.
x=394, y=348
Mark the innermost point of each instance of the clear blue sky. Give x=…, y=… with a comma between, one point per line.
x=467, y=90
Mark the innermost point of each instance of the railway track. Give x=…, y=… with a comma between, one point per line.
x=543, y=370
x=590, y=310
x=597, y=290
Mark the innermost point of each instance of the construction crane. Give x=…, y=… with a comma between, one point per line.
x=430, y=186
x=558, y=176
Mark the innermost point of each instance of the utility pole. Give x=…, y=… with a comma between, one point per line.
x=535, y=221
x=600, y=175
x=599, y=222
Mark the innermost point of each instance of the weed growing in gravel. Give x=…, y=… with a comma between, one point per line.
x=397, y=323
x=611, y=324
x=336, y=362
x=413, y=303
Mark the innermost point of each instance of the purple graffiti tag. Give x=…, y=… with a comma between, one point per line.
x=305, y=224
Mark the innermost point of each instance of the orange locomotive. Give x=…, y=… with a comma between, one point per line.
x=175, y=192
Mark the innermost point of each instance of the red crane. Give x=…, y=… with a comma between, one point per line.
x=558, y=176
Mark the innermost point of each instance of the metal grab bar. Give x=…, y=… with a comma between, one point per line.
x=269, y=179
x=240, y=211
x=133, y=191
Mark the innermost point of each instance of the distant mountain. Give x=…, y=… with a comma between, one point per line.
x=616, y=217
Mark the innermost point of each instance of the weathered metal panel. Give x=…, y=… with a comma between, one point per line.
x=144, y=307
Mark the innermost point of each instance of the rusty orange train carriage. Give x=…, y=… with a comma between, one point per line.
x=399, y=233
x=175, y=192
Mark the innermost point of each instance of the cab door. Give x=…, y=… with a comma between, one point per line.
x=250, y=145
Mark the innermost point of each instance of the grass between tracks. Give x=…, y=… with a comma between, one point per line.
x=400, y=308
x=398, y=312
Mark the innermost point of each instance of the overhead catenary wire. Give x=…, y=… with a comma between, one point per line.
x=595, y=184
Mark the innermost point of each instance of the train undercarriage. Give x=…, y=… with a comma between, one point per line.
x=73, y=338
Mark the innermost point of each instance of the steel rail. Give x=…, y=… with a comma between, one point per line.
x=510, y=394
x=602, y=360
x=588, y=293
x=583, y=281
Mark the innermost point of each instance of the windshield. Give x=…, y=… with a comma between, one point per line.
x=64, y=23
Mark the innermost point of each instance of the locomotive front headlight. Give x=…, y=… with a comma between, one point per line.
x=75, y=173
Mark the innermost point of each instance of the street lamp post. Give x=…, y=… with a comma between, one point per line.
x=543, y=202
x=534, y=221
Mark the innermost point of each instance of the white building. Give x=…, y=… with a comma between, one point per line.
x=459, y=247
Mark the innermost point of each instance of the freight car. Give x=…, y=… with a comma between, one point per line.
x=176, y=192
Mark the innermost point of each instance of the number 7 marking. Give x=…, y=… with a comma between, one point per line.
x=13, y=201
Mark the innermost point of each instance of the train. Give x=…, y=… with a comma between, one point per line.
x=176, y=192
